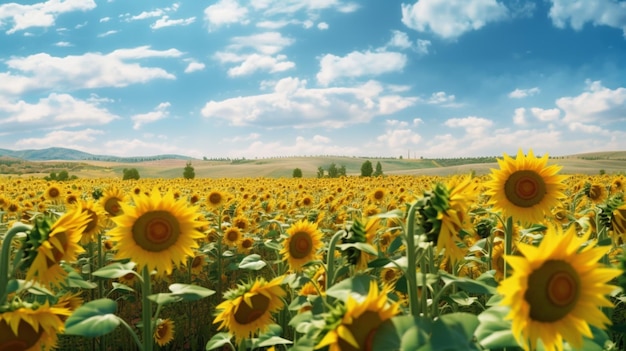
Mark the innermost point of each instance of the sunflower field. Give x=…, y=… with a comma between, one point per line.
x=523, y=258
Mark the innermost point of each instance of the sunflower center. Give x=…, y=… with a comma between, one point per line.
x=379, y=194
x=54, y=192
x=156, y=231
x=112, y=206
x=553, y=291
x=525, y=188
x=215, y=198
x=232, y=236
x=247, y=314
x=300, y=245
x=26, y=336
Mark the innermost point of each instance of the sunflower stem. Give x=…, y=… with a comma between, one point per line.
x=508, y=244
x=132, y=333
x=411, y=270
x=330, y=258
x=146, y=310
x=5, y=257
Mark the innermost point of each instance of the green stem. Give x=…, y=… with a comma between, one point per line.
x=5, y=258
x=132, y=333
x=146, y=310
x=330, y=258
x=411, y=270
x=508, y=244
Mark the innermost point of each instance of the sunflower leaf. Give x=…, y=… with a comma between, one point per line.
x=454, y=331
x=74, y=280
x=252, y=262
x=115, y=270
x=218, y=340
x=190, y=292
x=468, y=284
x=164, y=298
x=402, y=333
x=357, y=285
x=494, y=332
x=95, y=318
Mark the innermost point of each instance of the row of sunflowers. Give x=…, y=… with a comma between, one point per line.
x=522, y=258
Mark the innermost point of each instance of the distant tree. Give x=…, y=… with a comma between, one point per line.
x=342, y=171
x=130, y=173
x=602, y=172
x=379, y=170
x=367, y=169
x=52, y=176
x=297, y=173
x=320, y=172
x=400, y=157
x=333, y=172
x=63, y=175
x=189, y=172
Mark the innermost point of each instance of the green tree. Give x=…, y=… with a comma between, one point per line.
x=130, y=173
x=379, y=170
x=189, y=172
x=367, y=169
x=297, y=173
x=63, y=175
x=333, y=172
x=320, y=172
x=342, y=171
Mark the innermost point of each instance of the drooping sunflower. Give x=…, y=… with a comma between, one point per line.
x=359, y=321
x=525, y=187
x=32, y=328
x=302, y=243
x=556, y=290
x=157, y=231
x=248, y=308
x=96, y=223
x=111, y=201
x=164, y=331
x=49, y=244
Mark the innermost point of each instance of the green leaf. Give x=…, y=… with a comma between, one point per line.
x=494, y=332
x=404, y=333
x=357, y=285
x=218, y=340
x=271, y=244
x=271, y=337
x=115, y=270
x=190, y=292
x=364, y=247
x=123, y=287
x=74, y=280
x=164, y=298
x=13, y=285
x=252, y=262
x=470, y=285
x=462, y=299
x=95, y=318
x=454, y=331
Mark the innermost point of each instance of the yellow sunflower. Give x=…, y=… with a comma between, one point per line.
x=61, y=243
x=96, y=223
x=53, y=193
x=360, y=321
x=157, y=231
x=556, y=290
x=164, y=331
x=248, y=308
x=301, y=244
x=525, y=187
x=111, y=201
x=32, y=329
x=215, y=199
x=232, y=236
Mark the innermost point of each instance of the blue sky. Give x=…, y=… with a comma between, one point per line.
x=261, y=78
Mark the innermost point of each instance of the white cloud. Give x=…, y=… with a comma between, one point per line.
x=423, y=46
x=519, y=117
x=358, y=64
x=400, y=40
x=268, y=43
x=160, y=112
x=105, y=19
x=41, y=14
x=134, y=147
x=597, y=104
x=475, y=126
x=322, y=26
x=238, y=139
x=256, y=62
x=546, y=115
x=265, y=57
x=450, y=19
x=225, y=12
x=194, y=66
x=300, y=146
x=91, y=70
x=292, y=104
x=64, y=138
x=56, y=110
x=398, y=137
x=165, y=21
x=598, y=12
x=107, y=33
x=522, y=93
x=63, y=44
x=441, y=98
x=148, y=14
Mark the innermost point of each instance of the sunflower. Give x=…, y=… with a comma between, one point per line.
x=53, y=193
x=246, y=244
x=96, y=223
x=164, y=331
x=377, y=195
x=32, y=328
x=301, y=244
x=497, y=259
x=215, y=199
x=48, y=245
x=595, y=192
x=157, y=231
x=525, y=187
x=360, y=320
x=248, y=308
x=111, y=201
x=556, y=290
x=241, y=222
x=232, y=236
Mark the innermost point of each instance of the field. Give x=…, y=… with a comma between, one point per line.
x=246, y=257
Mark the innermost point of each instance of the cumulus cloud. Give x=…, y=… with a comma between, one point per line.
x=442, y=98
x=64, y=138
x=400, y=40
x=598, y=104
x=258, y=52
x=546, y=115
x=317, y=145
x=475, y=126
x=522, y=93
x=358, y=64
x=42, y=14
x=450, y=19
x=292, y=104
x=165, y=21
x=225, y=12
x=322, y=26
x=107, y=33
x=63, y=44
x=398, y=136
x=519, y=117
x=160, y=112
x=91, y=70
x=577, y=13
x=194, y=66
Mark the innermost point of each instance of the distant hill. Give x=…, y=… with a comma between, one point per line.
x=64, y=154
